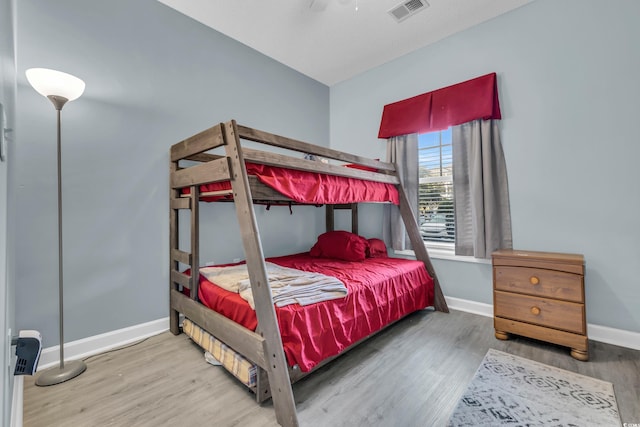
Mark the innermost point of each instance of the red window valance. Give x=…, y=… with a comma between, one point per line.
x=452, y=105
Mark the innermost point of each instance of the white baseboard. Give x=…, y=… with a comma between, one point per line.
x=90, y=346
x=468, y=306
x=604, y=334
x=614, y=336
x=17, y=401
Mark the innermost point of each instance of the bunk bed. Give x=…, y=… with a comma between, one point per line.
x=221, y=321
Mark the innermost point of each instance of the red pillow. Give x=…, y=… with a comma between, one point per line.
x=340, y=245
x=377, y=249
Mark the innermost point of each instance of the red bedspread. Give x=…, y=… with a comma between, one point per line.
x=381, y=291
x=313, y=188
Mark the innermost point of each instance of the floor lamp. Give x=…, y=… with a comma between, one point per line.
x=60, y=88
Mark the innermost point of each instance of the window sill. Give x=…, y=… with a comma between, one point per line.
x=437, y=253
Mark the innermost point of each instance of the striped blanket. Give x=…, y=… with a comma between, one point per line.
x=234, y=362
x=288, y=285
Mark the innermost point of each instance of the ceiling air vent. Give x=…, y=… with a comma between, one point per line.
x=407, y=9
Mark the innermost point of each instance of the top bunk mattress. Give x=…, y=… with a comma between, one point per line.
x=309, y=187
x=380, y=291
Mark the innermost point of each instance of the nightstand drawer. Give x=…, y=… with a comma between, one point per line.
x=562, y=315
x=540, y=282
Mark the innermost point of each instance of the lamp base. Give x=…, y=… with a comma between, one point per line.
x=53, y=376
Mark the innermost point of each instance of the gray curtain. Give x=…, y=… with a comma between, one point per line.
x=481, y=193
x=403, y=151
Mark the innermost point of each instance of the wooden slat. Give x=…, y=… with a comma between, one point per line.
x=305, y=147
x=181, y=279
x=203, y=141
x=263, y=391
x=180, y=256
x=419, y=249
x=277, y=370
x=195, y=241
x=241, y=339
x=281, y=160
x=215, y=193
x=260, y=191
x=181, y=203
x=204, y=157
x=213, y=171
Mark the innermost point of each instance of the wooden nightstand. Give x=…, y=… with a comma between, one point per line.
x=540, y=295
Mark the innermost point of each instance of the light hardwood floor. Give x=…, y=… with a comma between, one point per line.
x=411, y=374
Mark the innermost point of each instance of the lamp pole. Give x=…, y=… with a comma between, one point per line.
x=51, y=84
x=60, y=273
x=59, y=103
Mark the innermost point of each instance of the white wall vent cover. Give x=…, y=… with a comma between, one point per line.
x=407, y=9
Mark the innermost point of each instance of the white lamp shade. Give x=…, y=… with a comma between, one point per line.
x=51, y=82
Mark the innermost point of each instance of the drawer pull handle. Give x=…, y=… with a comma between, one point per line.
x=535, y=311
x=534, y=280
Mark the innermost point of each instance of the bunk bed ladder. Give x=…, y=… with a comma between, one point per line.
x=177, y=279
x=411, y=225
x=277, y=369
x=216, y=169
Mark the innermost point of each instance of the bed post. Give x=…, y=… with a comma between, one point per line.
x=411, y=225
x=330, y=216
x=354, y=217
x=277, y=369
x=195, y=241
x=174, y=315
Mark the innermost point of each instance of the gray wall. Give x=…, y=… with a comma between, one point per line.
x=568, y=80
x=153, y=78
x=7, y=121
x=569, y=89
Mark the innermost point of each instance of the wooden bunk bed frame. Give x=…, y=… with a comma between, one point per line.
x=263, y=347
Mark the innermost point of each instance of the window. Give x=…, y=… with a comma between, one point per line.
x=435, y=190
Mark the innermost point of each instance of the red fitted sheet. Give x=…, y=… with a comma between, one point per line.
x=310, y=187
x=381, y=291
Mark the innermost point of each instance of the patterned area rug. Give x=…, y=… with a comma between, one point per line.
x=510, y=390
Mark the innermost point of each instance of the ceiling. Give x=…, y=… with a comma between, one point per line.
x=332, y=41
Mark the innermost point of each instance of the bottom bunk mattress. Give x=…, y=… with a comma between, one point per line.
x=380, y=291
